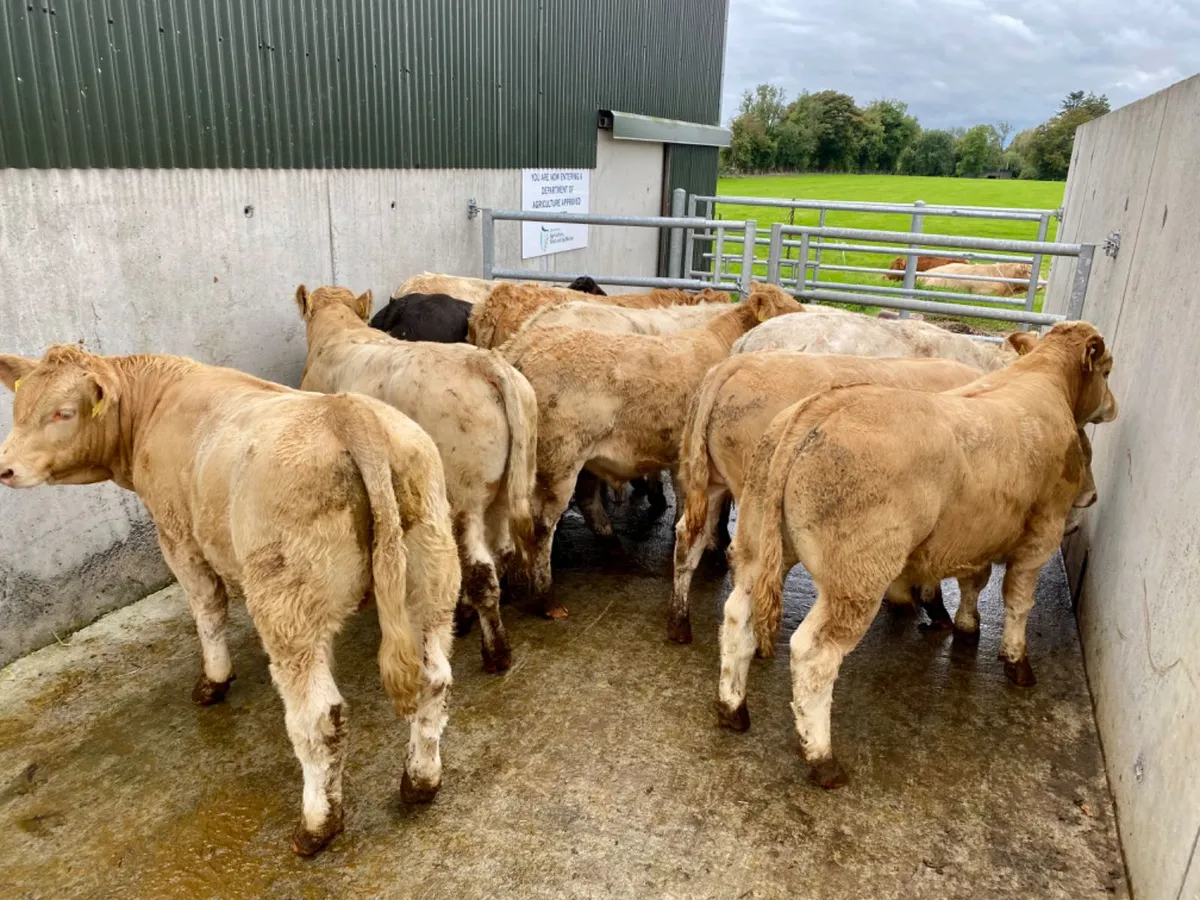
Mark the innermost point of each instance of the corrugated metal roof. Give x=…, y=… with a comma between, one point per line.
x=344, y=83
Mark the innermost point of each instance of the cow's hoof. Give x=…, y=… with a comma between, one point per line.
x=554, y=611
x=827, y=773
x=679, y=628
x=738, y=720
x=309, y=843
x=937, y=626
x=413, y=793
x=207, y=693
x=496, y=660
x=966, y=638
x=1020, y=672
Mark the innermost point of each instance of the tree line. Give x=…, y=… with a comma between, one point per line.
x=829, y=132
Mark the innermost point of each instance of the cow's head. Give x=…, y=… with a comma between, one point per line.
x=62, y=406
x=1087, y=491
x=1084, y=347
x=768, y=301
x=310, y=302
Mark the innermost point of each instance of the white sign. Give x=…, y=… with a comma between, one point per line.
x=553, y=190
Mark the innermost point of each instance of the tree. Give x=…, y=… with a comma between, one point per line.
x=1003, y=129
x=765, y=103
x=887, y=130
x=750, y=147
x=932, y=153
x=1048, y=149
x=837, y=124
x=978, y=151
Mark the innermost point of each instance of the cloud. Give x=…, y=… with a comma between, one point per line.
x=962, y=62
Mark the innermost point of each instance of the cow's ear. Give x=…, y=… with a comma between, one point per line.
x=363, y=305
x=1093, y=350
x=13, y=369
x=302, y=301
x=106, y=388
x=1022, y=341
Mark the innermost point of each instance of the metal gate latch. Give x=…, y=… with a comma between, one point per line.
x=1112, y=244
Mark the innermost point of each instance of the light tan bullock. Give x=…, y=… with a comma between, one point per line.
x=868, y=485
x=924, y=263
x=307, y=503
x=479, y=411
x=935, y=277
x=615, y=404
x=621, y=320
x=736, y=402
x=508, y=306
x=856, y=335
x=472, y=290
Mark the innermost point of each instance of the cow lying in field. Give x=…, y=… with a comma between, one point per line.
x=867, y=486
x=736, y=402
x=481, y=414
x=856, y=335
x=509, y=305
x=307, y=503
x=924, y=263
x=615, y=404
x=935, y=278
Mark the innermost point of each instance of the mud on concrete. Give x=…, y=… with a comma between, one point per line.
x=592, y=769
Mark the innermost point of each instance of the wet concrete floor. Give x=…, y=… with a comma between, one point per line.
x=592, y=769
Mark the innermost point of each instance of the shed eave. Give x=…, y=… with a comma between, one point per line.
x=633, y=127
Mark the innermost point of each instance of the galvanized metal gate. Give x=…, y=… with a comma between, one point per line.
x=792, y=252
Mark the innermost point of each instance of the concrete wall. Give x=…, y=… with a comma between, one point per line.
x=1135, y=171
x=204, y=263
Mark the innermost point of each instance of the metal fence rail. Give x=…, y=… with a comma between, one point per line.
x=802, y=274
x=918, y=211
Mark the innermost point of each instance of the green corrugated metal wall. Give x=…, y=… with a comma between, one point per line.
x=695, y=170
x=345, y=83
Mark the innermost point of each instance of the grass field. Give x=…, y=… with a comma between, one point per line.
x=892, y=189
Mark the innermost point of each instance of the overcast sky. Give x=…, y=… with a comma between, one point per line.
x=962, y=62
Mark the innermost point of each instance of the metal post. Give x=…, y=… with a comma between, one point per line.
x=773, y=252
x=689, y=239
x=719, y=255
x=1031, y=294
x=749, y=244
x=1079, y=286
x=488, y=233
x=817, y=257
x=910, y=264
x=675, y=236
x=802, y=269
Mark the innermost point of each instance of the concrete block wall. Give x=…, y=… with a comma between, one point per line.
x=1137, y=559
x=205, y=263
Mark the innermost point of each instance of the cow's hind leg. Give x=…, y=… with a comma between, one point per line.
x=554, y=494
x=423, y=765
x=589, y=497
x=737, y=649
x=481, y=589
x=1019, y=584
x=210, y=608
x=297, y=632
x=832, y=629
x=689, y=549
x=966, y=617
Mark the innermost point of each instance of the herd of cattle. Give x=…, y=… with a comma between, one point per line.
x=425, y=467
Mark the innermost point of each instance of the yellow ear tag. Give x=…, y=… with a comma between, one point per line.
x=96, y=409
x=17, y=384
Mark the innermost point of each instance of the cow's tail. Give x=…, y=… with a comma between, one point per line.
x=693, y=452
x=521, y=413
x=766, y=599
x=367, y=440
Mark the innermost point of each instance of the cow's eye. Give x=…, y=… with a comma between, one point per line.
x=63, y=415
